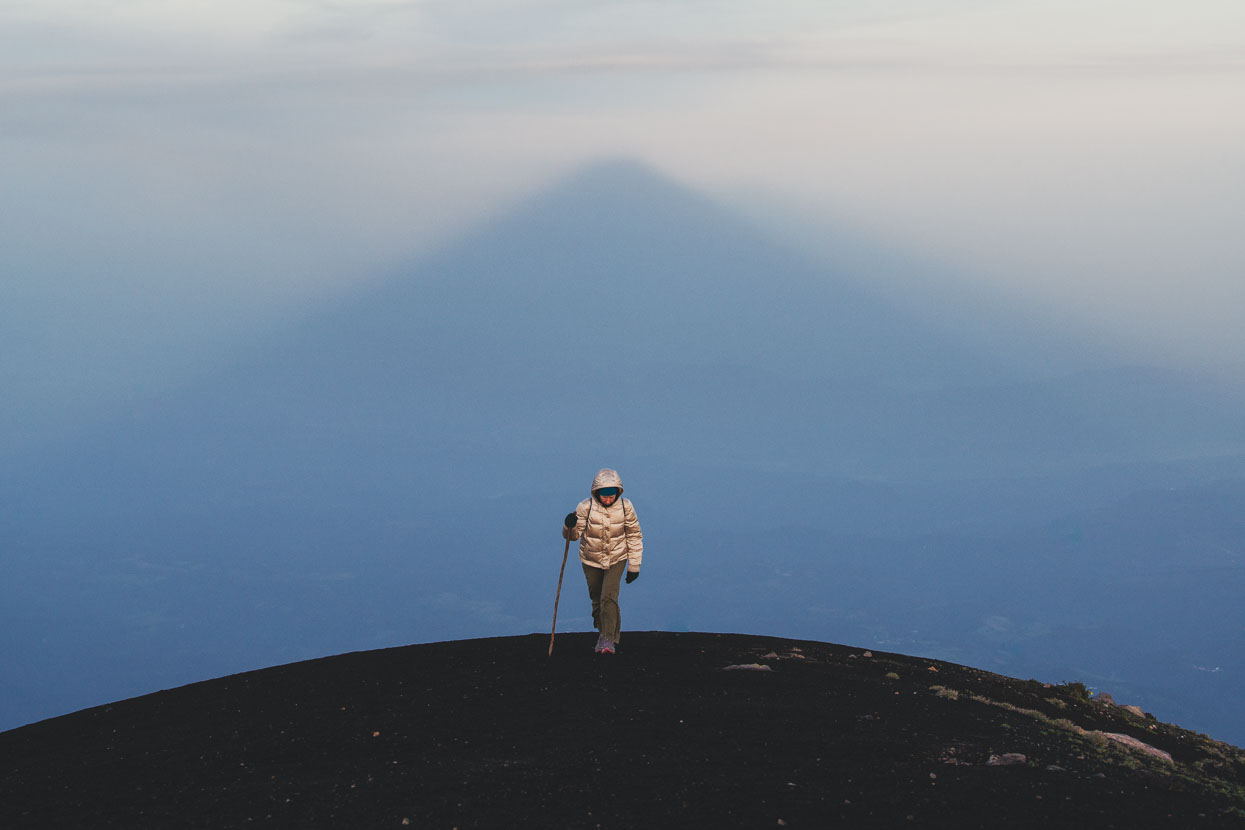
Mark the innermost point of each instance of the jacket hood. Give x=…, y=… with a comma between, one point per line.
x=607, y=478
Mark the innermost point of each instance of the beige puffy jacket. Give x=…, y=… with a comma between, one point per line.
x=607, y=535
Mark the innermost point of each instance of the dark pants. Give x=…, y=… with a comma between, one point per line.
x=603, y=590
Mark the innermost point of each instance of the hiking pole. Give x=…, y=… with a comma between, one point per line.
x=558, y=596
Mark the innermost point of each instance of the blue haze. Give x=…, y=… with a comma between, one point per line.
x=808, y=459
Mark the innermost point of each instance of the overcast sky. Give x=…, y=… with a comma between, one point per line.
x=175, y=172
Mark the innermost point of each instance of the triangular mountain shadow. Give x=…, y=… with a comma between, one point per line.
x=426, y=434
x=620, y=296
x=617, y=263
x=677, y=730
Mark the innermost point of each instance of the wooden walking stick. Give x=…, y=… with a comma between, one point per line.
x=558, y=596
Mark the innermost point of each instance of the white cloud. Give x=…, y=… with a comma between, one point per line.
x=212, y=18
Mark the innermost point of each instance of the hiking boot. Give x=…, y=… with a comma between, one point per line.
x=605, y=646
x=600, y=644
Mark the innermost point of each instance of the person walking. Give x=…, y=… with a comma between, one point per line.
x=610, y=542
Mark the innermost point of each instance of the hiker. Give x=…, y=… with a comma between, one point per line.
x=609, y=543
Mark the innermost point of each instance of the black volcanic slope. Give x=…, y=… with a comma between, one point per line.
x=492, y=733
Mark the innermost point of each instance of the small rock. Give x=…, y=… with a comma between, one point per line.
x=933, y=668
x=1104, y=698
x=747, y=667
x=773, y=655
x=867, y=654
x=1007, y=759
x=1136, y=710
x=1140, y=746
x=1055, y=768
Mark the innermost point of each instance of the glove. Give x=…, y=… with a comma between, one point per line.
x=571, y=520
x=632, y=576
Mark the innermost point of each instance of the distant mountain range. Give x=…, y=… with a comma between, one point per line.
x=1136, y=598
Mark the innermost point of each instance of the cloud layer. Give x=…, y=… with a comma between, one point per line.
x=179, y=173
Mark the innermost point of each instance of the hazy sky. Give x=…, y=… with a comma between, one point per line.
x=173, y=172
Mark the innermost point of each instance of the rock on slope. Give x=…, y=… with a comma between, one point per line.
x=492, y=733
